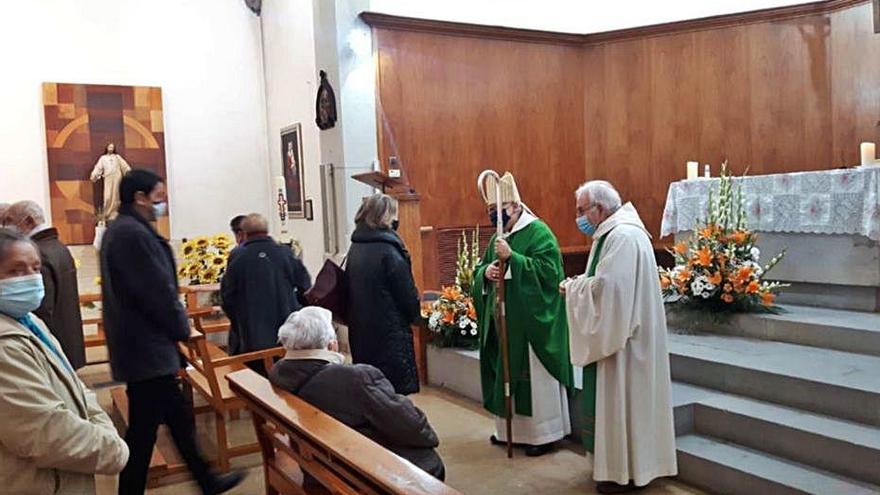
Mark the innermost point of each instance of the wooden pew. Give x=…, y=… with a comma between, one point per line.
x=199, y=315
x=159, y=465
x=208, y=367
x=191, y=296
x=292, y=432
x=99, y=338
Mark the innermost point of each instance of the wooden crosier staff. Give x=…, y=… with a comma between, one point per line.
x=500, y=314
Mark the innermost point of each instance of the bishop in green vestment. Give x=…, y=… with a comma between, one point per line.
x=540, y=368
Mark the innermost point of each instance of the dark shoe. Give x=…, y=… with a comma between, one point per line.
x=538, y=450
x=612, y=487
x=494, y=441
x=222, y=483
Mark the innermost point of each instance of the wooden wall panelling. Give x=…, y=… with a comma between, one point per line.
x=451, y=107
x=774, y=91
x=676, y=119
x=723, y=113
x=855, y=72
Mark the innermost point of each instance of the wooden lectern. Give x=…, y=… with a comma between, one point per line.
x=410, y=232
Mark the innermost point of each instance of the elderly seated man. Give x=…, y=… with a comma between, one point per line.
x=358, y=395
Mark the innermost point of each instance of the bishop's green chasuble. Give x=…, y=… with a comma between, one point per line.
x=535, y=316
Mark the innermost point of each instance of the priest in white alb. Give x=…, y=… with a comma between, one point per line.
x=617, y=326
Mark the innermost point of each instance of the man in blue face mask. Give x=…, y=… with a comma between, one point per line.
x=617, y=331
x=144, y=319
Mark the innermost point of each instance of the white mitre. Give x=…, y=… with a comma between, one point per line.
x=509, y=191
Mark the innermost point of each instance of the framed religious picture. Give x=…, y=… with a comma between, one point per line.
x=95, y=134
x=292, y=165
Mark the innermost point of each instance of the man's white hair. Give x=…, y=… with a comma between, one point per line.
x=307, y=329
x=23, y=209
x=601, y=193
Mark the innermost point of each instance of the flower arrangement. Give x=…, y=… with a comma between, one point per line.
x=204, y=259
x=467, y=260
x=452, y=318
x=718, y=267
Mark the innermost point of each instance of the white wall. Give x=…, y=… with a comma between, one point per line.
x=570, y=16
x=206, y=56
x=291, y=86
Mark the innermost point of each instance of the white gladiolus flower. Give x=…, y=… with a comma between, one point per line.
x=474, y=331
x=756, y=253
x=463, y=323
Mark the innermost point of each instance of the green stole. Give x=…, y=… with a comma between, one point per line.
x=588, y=427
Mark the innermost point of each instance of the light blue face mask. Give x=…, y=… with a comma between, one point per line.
x=21, y=295
x=160, y=209
x=585, y=226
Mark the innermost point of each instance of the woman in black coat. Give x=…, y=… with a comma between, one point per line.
x=382, y=297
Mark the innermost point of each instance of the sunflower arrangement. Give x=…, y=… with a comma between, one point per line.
x=204, y=259
x=453, y=319
x=718, y=268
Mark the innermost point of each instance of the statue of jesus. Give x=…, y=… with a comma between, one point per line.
x=110, y=167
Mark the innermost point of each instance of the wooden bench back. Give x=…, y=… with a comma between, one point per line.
x=340, y=458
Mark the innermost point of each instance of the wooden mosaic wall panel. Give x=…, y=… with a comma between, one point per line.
x=81, y=119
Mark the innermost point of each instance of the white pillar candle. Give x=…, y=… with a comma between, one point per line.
x=869, y=153
x=692, y=170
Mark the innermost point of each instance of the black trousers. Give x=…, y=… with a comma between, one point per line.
x=151, y=403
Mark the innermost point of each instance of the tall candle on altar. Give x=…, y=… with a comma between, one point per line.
x=692, y=170
x=869, y=153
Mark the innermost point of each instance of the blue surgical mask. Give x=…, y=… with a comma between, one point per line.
x=505, y=217
x=585, y=226
x=21, y=295
x=160, y=209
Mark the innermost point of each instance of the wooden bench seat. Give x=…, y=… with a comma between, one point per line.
x=292, y=432
x=208, y=367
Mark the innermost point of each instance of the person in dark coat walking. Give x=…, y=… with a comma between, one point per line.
x=260, y=288
x=60, y=307
x=382, y=297
x=357, y=395
x=144, y=319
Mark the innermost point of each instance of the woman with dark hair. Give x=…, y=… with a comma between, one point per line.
x=382, y=297
x=110, y=167
x=54, y=436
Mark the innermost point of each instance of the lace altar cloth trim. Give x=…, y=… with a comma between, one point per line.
x=843, y=201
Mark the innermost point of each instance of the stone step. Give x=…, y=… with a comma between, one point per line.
x=843, y=330
x=840, y=446
x=835, y=383
x=726, y=468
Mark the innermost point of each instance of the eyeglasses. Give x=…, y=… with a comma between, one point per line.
x=583, y=211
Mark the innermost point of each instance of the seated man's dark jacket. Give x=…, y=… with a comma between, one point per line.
x=143, y=316
x=362, y=398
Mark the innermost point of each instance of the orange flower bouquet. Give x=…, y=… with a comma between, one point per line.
x=453, y=319
x=718, y=267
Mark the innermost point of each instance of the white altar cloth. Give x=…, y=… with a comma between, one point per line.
x=842, y=201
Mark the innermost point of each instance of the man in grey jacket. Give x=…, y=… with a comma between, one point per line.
x=358, y=395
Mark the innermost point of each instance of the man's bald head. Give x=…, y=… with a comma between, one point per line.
x=255, y=225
